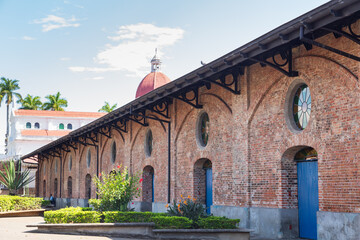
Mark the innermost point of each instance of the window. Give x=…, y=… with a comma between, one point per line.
x=88, y=158
x=203, y=128
x=148, y=143
x=302, y=106
x=28, y=125
x=69, y=186
x=44, y=168
x=37, y=125
x=113, y=152
x=61, y=126
x=306, y=154
x=70, y=162
x=55, y=187
x=69, y=126
x=88, y=186
x=56, y=164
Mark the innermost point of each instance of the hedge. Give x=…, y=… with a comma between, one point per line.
x=72, y=215
x=16, y=203
x=174, y=222
x=218, y=223
x=113, y=216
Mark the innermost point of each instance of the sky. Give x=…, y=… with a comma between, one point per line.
x=93, y=51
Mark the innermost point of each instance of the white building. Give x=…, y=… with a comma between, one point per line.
x=32, y=129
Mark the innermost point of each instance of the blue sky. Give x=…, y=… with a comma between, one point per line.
x=96, y=51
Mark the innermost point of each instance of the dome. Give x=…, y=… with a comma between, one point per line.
x=154, y=79
x=150, y=82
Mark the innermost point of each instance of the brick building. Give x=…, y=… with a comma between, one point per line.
x=268, y=133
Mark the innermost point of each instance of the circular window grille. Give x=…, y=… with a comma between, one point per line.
x=148, y=143
x=113, y=152
x=203, y=129
x=302, y=106
x=88, y=158
x=70, y=163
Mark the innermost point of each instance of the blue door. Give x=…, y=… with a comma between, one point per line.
x=308, y=198
x=208, y=189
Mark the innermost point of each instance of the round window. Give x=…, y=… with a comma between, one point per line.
x=203, y=129
x=302, y=106
x=88, y=158
x=148, y=143
x=113, y=152
x=70, y=163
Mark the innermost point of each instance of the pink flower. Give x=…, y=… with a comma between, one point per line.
x=137, y=188
x=99, y=174
x=118, y=166
x=141, y=180
x=132, y=203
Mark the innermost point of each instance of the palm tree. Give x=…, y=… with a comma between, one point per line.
x=13, y=179
x=55, y=103
x=30, y=102
x=107, y=108
x=7, y=91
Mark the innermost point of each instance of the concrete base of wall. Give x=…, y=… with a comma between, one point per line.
x=159, y=207
x=268, y=223
x=70, y=202
x=335, y=225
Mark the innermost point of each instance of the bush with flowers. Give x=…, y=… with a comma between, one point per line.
x=188, y=207
x=116, y=190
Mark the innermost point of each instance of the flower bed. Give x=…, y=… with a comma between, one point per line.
x=17, y=203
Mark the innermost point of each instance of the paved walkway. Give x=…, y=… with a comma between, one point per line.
x=15, y=228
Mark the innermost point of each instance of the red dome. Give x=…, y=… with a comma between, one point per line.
x=150, y=82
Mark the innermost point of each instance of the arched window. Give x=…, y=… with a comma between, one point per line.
x=44, y=169
x=37, y=125
x=203, y=129
x=113, y=152
x=55, y=187
x=306, y=154
x=70, y=162
x=44, y=188
x=302, y=106
x=88, y=158
x=148, y=143
x=203, y=182
x=28, y=125
x=148, y=184
x=88, y=186
x=69, y=185
x=61, y=126
x=69, y=126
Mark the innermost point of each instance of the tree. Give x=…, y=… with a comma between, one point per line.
x=7, y=92
x=55, y=103
x=107, y=108
x=13, y=179
x=30, y=102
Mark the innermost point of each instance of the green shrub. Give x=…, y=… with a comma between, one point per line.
x=45, y=203
x=166, y=222
x=95, y=203
x=112, y=217
x=72, y=215
x=188, y=207
x=218, y=223
x=86, y=209
x=117, y=189
x=16, y=203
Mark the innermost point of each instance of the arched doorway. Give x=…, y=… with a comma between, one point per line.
x=148, y=193
x=44, y=188
x=308, y=193
x=69, y=187
x=203, y=183
x=88, y=186
x=55, y=187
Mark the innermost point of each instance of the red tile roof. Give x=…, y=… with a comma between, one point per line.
x=43, y=132
x=43, y=113
x=150, y=82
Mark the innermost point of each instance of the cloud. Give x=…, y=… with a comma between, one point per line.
x=27, y=38
x=133, y=47
x=65, y=59
x=52, y=22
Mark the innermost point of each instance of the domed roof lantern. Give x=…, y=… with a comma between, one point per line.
x=152, y=80
x=155, y=63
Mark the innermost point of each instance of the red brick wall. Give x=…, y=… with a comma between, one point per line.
x=251, y=146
